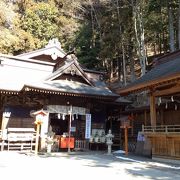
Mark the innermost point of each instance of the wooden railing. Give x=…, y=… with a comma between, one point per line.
x=80, y=144
x=161, y=129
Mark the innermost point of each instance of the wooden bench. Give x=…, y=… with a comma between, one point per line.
x=20, y=138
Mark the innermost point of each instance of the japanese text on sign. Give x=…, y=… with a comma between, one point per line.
x=88, y=126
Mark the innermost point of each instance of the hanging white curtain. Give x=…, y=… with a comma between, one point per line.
x=65, y=109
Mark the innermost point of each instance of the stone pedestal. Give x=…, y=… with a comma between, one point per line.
x=49, y=148
x=109, y=148
x=109, y=142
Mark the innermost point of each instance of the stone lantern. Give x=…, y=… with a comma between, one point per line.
x=109, y=142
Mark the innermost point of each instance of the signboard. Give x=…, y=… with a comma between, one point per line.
x=140, y=137
x=88, y=126
x=73, y=129
x=39, y=117
x=125, y=123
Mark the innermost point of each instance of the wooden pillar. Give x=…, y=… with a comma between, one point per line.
x=1, y=119
x=152, y=110
x=37, y=139
x=126, y=139
x=132, y=124
x=111, y=123
x=145, y=117
x=162, y=116
x=5, y=120
x=69, y=130
x=1, y=111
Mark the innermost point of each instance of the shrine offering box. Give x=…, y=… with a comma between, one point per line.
x=63, y=142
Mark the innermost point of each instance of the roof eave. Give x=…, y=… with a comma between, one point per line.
x=28, y=88
x=148, y=85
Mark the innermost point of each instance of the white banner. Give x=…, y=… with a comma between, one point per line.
x=88, y=126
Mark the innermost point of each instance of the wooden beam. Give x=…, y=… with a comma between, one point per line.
x=149, y=84
x=152, y=109
x=169, y=91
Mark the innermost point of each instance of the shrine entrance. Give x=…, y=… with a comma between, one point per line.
x=68, y=122
x=60, y=125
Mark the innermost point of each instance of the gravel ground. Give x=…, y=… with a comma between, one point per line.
x=92, y=165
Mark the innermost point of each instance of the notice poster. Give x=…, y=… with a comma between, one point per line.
x=88, y=126
x=140, y=137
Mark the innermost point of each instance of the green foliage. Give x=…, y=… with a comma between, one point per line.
x=30, y=24
x=15, y=42
x=40, y=20
x=87, y=51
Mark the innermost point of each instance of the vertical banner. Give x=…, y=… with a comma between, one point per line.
x=88, y=126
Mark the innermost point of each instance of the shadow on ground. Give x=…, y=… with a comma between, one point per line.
x=132, y=165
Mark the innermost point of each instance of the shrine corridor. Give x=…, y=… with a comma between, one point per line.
x=93, y=165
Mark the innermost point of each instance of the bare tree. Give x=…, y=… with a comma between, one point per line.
x=179, y=25
x=171, y=27
x=139, y=32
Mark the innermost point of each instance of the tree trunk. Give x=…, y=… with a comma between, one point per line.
x=92, y=25
x=132, y=63
x=139, y=33
x=122, y=46
x=119, y=67
x=124, y=65
x=160, y=33
x=179, y=25
x=111, y=70
x=171, y=29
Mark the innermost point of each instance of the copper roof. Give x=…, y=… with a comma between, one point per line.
x=163, y=73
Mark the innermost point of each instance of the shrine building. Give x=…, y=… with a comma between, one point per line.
x=54, y=81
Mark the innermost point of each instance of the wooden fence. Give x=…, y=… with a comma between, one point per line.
x=80, y=144
x=165, y=140
x=161, y=129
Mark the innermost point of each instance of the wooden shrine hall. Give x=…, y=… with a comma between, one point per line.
x=54, y=81
x=162, y=85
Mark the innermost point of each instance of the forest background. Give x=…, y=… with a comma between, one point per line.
x=120, y=37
